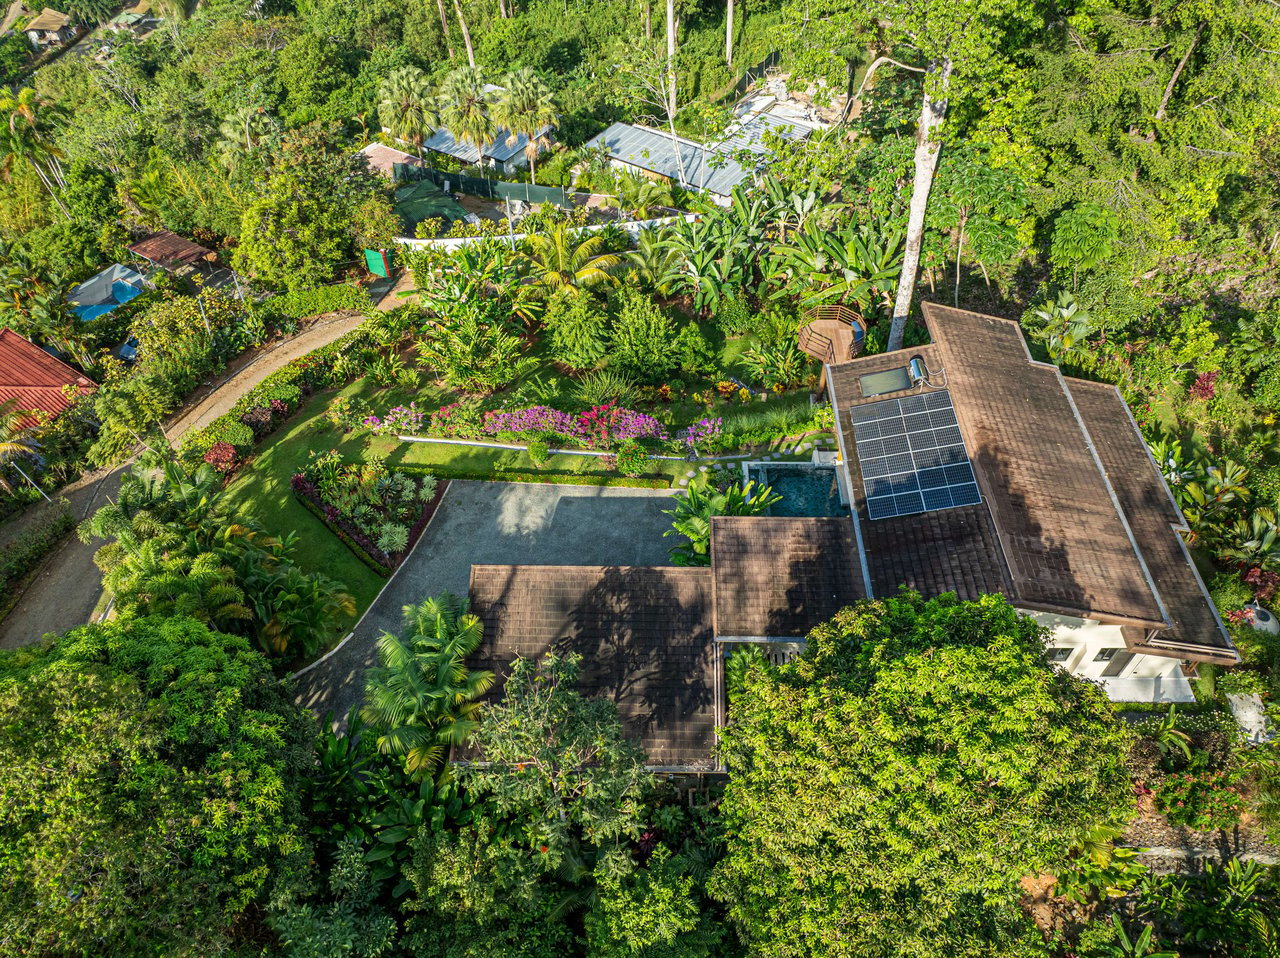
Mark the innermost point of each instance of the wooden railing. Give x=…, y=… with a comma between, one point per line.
x=841, y=314
x=817, y=345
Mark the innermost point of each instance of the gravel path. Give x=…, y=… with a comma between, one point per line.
x=500, y=523
x=63, y=595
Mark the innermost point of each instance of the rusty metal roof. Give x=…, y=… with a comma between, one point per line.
x=169, y=249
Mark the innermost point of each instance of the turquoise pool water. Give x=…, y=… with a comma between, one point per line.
x=806, y=490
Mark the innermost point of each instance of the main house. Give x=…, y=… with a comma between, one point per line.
x=967, y=467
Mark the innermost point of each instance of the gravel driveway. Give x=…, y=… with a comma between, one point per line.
x=65, y=592
x=501, y=523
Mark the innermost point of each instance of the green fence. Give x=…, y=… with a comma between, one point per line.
x=489, y=189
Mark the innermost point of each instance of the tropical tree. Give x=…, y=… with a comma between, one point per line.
x=128, y=412
x=691, y=517
x=639, y=193
x=421, y=699
x=912, y=840
x=473, y=355
x=27, y=127
x=294, y=611
x=567, y=260
x=16, y=441
x=654, y=262
x=245, y=129
x=406, y=107
x=176, y=748
x=465, y=109
x=958, y=45
x=525, y=107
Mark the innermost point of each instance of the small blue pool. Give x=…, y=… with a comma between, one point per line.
x=806, y=489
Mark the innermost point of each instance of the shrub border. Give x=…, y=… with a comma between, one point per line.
x=545, y=478
x=415, y=531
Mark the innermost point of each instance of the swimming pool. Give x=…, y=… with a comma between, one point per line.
x=806, y=489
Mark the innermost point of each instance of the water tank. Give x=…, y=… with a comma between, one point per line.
x=918, y=371
x=1264, y=621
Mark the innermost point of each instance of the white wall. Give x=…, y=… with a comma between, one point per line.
x=1086, y=638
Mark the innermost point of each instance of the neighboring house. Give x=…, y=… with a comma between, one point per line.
x=384, y=159
x=50, y=28
x=102, y=293
x=714, y=167
x=33, y=378
x=501, y=153
x=979, y=471
x=681, y=162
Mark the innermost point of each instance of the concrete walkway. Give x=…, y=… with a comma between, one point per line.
x=63, y=595
x=500, y=523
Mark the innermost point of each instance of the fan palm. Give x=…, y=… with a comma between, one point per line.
x=464, y=109
x=525, y=106
x=569, y=261
x=422, y=699
x=406, y=106
x=15, y=441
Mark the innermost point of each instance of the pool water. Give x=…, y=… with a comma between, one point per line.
x=806, y=490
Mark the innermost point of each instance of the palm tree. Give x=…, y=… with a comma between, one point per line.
x=654, y=262
x=526, y=107
x=28, y=126
x=15, y=441
x=244, y=129
x=564, y=260
x=422, y=699
x=406, y=107
x=464, y=109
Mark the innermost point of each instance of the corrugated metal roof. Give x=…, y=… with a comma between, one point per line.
x=749, y=133
x=652, y=150
x=500, y=148
x=34, y=378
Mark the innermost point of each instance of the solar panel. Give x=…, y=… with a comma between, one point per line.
x=912, y=456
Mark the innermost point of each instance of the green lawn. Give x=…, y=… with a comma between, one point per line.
x=261, y=489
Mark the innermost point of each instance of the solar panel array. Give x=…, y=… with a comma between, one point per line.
x=912, y=456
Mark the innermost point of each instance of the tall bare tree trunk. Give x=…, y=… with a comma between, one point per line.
x=933, y=111
x=444, y=25
x=648, y=19
x=671, y=57
x=466, y=34
x=728, y=36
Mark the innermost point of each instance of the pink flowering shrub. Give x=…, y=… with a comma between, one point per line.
x=702, y=430
x=1264, y=583
x=601, y=427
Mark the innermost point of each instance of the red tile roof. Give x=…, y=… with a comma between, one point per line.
x=34, y=378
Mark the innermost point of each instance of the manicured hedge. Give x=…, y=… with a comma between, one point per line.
x=314, y=302
x=316, y=370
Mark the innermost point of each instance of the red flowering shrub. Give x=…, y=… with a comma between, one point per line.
x=222, y=456
x=1205, y=386
x=1200, y=799
x=1264, y=583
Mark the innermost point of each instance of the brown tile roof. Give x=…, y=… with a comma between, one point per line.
x=1050, y=533
x=644, y=634
x=1067, y=545
x=951, y=550
x=382, y=159
x=778, y=577
x=1197, y=631
x=33, y=378
x=169, y=249
x=50, y=20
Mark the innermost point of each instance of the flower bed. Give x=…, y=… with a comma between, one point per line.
x=600, y=427
x=378, y=512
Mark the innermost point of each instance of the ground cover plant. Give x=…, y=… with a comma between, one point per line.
x=376, y=510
